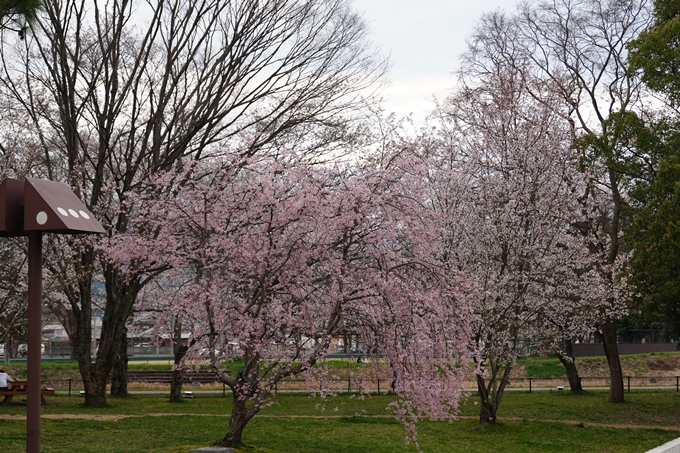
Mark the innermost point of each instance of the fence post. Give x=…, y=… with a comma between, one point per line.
x=349, y=385
x=378, y=386
x=69, y=387
x=276, y=388
x=530, y=385
x=628, y=383
x=677, y=383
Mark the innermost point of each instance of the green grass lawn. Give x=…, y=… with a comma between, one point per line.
x=537, y=422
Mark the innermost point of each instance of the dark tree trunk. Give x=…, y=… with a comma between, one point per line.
x=79, y=318
x=490, y=395
x=178, y=370
x=611, y=350
x=177, y=379
x=120, y=297
x=608, y=326
x=567, y=359
x=119, y=377
x=487, y=408
x=240, y=416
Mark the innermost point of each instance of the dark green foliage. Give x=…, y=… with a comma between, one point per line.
x=16, y=14
x=627, y=145
x=26, y=8
x=656, y=52
x=665, y=10
x=655, y=237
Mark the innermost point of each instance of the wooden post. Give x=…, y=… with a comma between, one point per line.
x=34, y=341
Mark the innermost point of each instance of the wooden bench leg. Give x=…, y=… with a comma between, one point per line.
x=43, y=401
x=7, y=400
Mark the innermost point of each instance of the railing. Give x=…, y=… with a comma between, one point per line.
x=381, y=385
x=644, y=382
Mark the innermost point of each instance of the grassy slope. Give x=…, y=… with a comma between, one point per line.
x=653, y=364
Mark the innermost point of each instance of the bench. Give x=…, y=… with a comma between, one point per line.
x=21, y=388
x=165, y=377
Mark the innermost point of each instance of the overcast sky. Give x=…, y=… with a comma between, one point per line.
x=423, y=39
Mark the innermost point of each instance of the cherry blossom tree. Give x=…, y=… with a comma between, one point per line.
x=581, y=48
x=114, y=91
x=282, y=255
x=509, y=184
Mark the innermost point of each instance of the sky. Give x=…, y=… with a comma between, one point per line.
x=423, y=39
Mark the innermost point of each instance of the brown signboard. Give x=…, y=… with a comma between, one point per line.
x=11, y=204
x=52, y=206
x=46, y=206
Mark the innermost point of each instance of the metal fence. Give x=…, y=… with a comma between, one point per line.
x=382, y=386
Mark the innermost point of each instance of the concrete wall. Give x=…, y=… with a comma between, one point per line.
x=596, y=349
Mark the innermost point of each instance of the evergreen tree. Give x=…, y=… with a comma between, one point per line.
x=654, y=235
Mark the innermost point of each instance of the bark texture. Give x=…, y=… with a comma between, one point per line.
x=119, y=376
x=179, y=351
x=611, y=350
x=240, y=416
x=491, y=394
x=567, y=359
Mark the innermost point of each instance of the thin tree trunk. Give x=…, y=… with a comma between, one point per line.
x=119, y=377
x=611, y=350
x=567, y=359
x=8, y=349
x=491, y=395
x=178, y=370
x=487, y=410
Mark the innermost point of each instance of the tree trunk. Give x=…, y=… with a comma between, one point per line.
x=120, y=297
x=566, y=357
x=490, y=395
x=240, y=415
x=177, y=379
x=8, y=349
x=119, y=378
x=178, y=369
x=95, y=387
x=611, y=350
x=487, y=408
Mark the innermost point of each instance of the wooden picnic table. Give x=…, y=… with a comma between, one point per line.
x=21, y=388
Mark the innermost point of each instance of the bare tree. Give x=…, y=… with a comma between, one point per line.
x=113, y=98
x=581, y=48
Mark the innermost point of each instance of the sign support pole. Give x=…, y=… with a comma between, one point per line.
x=34, y=341
x=29, y=208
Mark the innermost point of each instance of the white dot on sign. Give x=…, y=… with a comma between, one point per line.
x=84, y=215
x=73, y=213
x=63, y=212
x=41, y=218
